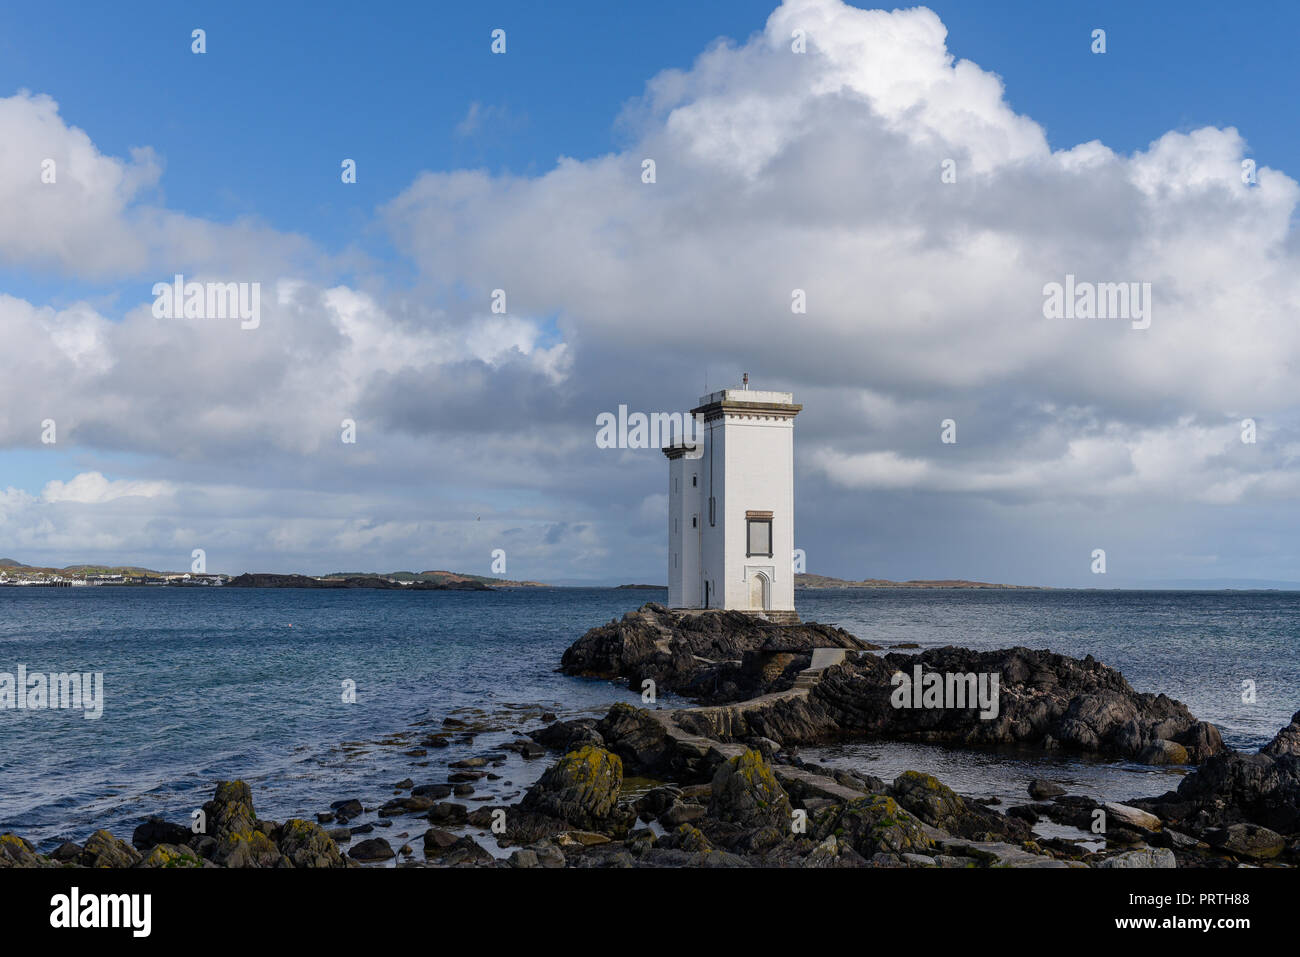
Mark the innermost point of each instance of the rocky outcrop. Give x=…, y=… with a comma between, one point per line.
x=18, y=852
x=746, y=792
x=156, y=831
x=102, y=849
x=933, y=802
x=1044, y=700
x=710, y=656
x=1233, y=788
x=1286, y=742
x=873, y=825
x=566, y=736
x=372, y=850
x=581, y=789
x=173, y=855
x=233, y=836
x=239, y=839
x=305, y=844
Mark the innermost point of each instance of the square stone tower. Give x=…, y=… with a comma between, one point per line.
x=731, y=506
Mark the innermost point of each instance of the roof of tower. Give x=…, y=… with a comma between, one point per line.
x=753, y=400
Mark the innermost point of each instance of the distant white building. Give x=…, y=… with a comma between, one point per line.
x=731, y=506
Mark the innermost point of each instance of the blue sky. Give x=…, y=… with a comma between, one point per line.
x=254, y=127
x=251, y=134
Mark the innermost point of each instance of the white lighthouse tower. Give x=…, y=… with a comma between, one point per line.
x=731, y=506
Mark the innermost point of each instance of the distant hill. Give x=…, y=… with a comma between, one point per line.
x=437, y=577
x=247, y=580
x=825, y=581
x=442, y=577
x=132, y=570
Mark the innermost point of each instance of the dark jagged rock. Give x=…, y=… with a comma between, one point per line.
x=66, y=853
x=1041, y=790
x=1043, y=698
x=569, y=736
x=158, y=831
x=636, y=737
x=712, y=656
x=658, y=800
x=1247, y=840
x=463, y=850
x=435, y=791
x=374, y=849
x=346, y=809
x=1234, y=788
x=1286, y=742
x=448, y=814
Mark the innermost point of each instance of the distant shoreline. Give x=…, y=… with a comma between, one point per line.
x=826, y=581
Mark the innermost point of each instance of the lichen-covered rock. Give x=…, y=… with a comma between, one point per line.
x=239, y=839
x=930, y=800
x=172, y=855
x=686, y=838
x=246, y=849
x=937, y=805
x=306, y=844
x=230, y=811
x=102, y=849
x=746, y=792
x=873, y=825
x=18, y=852
x=581, y=788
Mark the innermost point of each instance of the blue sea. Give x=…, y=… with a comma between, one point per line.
x=204, y=684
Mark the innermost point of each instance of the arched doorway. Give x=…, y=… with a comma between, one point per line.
x=759, y=592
